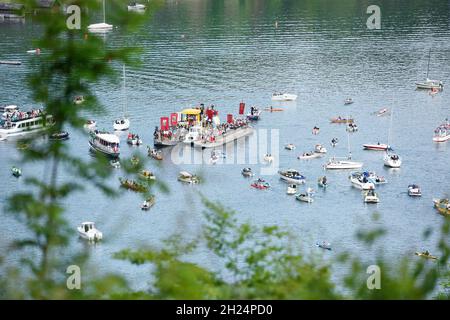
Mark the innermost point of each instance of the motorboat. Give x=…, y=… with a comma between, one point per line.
x=133, y=185
x=372, y=177
x=155, y=154
x=146, y=175
x=371, y=196
x=254, y=114
x=148, y=203
x=322, y=182
x=342, y=120
x=426, y=255
x=105, y=143
x=136, y=7
x=101, y=27
x=324, y=245
x=414, y=190
x=260, y=184
x=63, y=135
x=115, y=163
x=134, y=139
x=88, y=231
x=90, y=125
x=283, y=97
x=376, y=147
x=392, y=160
x=305, y=197
x=442, y=133
x=121, y=124
x=318, y=148
x=442, y=206
x=336, y=164
x=348, y=101
x=292, y=189
x=292, y=176
x=290, y=146
x=352, y=127
x=309, y=155
x=16, y=172
x=187, y=177
x=78, y=100
x=315, y=130
x=247, y=172
x=268, y=158
x=361, y=182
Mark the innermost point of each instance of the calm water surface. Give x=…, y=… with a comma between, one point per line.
x=221, y=54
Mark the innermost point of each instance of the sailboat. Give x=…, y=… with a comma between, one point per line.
x=392, y=160
x=343, y=163
x=101, y=27
x=428, y=83
x=123, y=123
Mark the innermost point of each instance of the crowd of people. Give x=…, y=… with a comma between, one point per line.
x=17, y=115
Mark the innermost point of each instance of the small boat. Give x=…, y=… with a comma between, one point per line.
x=442, y=133
x=426, y=255
x=283, y=97
x=260, y=184
x=443, y=206
x=146, y=175
x=315, y=130
x=11, y=62
x=135, y=160
x=105, y=143
x=304, y=197
x=34, y=51
x=63, y=135
x=136, y=7
x=133, y=185
x=371, y=197
x=322, y=182
x=121, y=124
x=341, y=120
x=336, y=164
x=78, y=100
x=214, y=157
x=428, y=83
x=268, y=158
x=115, y=163
x=16, y=172
x=392, y=160
x=324, y=245
x=372, y=177
x=148, y=203
x=309, y=155
x=254, y=114
x=352, y=127
x=291, y=189
x=334, y=142
x=292, y=176
x=382, y=112
x=289, y=146
x=361, y=182
x=134, y=139
x=90, y=124
x=247, y=172
x=87, y=231
x=101, y=27
x=376, y=147
x=271, y=109
x=348, y=101
x=318, y=148
x=414, y=190
x=155, y=154
x=187, y=177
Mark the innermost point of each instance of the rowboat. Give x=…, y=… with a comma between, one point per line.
x=426, y=255
x=341, y=120
x=78, y=100
x=134, y=139
x=260, y=184
x=132, y=185
x=376, y=147
x=443, y=206
x=16, y=172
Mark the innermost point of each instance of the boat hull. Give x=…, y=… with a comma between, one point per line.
x=103, y=151
x=230, y=136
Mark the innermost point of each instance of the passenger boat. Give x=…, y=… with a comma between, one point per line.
x=348, y=101
x=88, y=231
x=148, y=203
x=136, y=7
x=247, y=172
x=291, y=189
x=290, y=146
x=187, y=177
x=352, y=127
x=133, y=185
x=105, y=143
x=16, y=172
x=443, y=206
x=318, y=148
x=361, y=182
x=260, y=184
x=14, y=122
x=254, y=114
x=341, y=120
x=324, y=245
x=292, y=176
x=414, y=190
x=134, y=139
x=428, y=83
x=268, y=158
x=305, y=197
x=392, y=160
x=90, y=125
x=376, y=147
x=309, y=155
x=101, y=27
x=322, y=182
x=336, y=164
x=426, y=255
x=155, y=154
x=146, y=175
x=371, y=196
x=283, y=97
x=230, y=135
x=63, y=135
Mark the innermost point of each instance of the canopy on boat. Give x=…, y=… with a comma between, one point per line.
x=191, y=111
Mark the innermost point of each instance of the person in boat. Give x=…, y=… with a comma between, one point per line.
x=324, y=180
x=426, y=253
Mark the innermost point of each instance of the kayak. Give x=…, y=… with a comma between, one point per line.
x=274, y=109
x=427, y=256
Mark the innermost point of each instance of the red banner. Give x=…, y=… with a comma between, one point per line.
x=173, y=119
x=164, y=123
x=229, y=118
x=241, y=108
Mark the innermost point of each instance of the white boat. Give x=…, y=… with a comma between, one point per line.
x=376, y=147
x=291, y=189
x=136, y=7
x=105, y=143
x=292, y=176
x=187, y=177
x=414, y=190
x=78, y=100
x=309, y=155
x=289, y=146
x=148, y=203
x=304, y=197
x=371, y=197
x=348, y=101
x=14, y=122
x=115, y=163
x=324, y=245
x=322, y=182
x=88, y=231
x=123, y=123
x=318, y=148
x=392, y=160
x=283, y=97
x=336, y=164
x=90, y=125
x=134, y=139
x=101, y=27
x=361, y=182
x=16, y=172
x=194, y=133
x=352, y=127
x=428, y=83
x=442, y=133
x=268, y=158
x=247, y=172
x=254, y=114
x=371, y=177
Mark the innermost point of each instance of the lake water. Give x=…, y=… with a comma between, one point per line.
x=223, y=53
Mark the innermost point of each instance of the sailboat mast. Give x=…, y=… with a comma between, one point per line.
x=429, y=58
x=104, y=13
x=125, y=93
x=390, y=127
